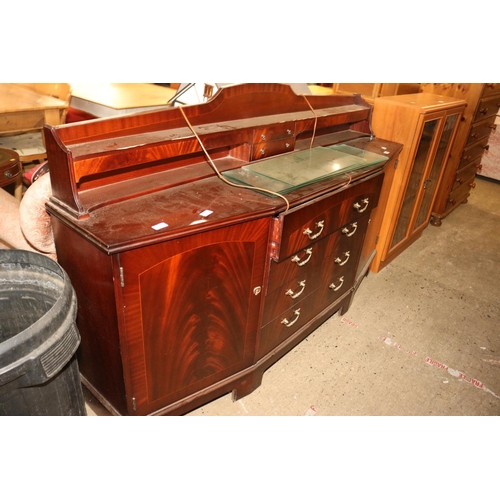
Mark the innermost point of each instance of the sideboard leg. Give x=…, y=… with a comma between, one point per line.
x=345, y=304
x=247, y=385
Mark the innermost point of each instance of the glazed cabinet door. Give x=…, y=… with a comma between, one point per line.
x=420, y=162
x=435, y=140
x=432, y=178
x=190, y=312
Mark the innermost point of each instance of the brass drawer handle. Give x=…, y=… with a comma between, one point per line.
x=365, y=202
x=308, y=232
x=345, y=230
x=472, y=185
x=289, y=323
x=338, y=287
x=293, y=294
x=340, y=262
x=301, y=263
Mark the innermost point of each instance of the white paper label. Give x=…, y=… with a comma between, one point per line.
x=160, y=225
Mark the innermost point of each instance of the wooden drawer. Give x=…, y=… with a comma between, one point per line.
x=470, y=153
x=491, y=89
x=281, y=131
x=314, y=221
x=460, y=194
x=481, y=129
x=487, y=107
x=291, y=320
x=463, y=175
x=271, y=148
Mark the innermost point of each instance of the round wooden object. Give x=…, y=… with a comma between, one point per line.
x=10, y=167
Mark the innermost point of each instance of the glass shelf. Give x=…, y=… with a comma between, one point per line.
x=285, y=173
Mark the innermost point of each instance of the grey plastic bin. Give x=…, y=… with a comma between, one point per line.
x=38, y=338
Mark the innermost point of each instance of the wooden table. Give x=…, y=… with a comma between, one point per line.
x=111, y=99
x=22, y=109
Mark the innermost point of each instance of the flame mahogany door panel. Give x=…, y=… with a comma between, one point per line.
x=191, y=309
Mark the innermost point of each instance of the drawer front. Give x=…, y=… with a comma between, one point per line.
x=289, y=322
x=491, y=89
x=288, y=295
x=481, y=129
x=271, y=148
x=487, y=107
x=461, y=193
x=281, y=131
x=473, y=152
x=466, y=173
x=313, y=222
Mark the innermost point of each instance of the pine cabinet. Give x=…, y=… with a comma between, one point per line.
x=371, y=91
x=426, y=125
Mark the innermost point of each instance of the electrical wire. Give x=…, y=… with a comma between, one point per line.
x=349, y=177
x=216, y=170
x=254, y=188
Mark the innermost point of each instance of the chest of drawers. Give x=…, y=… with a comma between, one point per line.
x=471, y=142
x=189, y=287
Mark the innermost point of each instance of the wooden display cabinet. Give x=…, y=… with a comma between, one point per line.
x=471, y=142
x=190, y=286
x=371, y=91
x=426, y=125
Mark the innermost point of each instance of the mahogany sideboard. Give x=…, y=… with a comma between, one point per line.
x=191, y=281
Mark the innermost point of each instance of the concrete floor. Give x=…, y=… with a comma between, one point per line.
x=422, y=336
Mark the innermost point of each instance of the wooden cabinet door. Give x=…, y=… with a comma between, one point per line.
x=434, y=174
x=427, y=139
x=435, y=141
x=190, y=310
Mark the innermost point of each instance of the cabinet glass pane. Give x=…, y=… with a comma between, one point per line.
x=414, y=181
x=430, y=184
